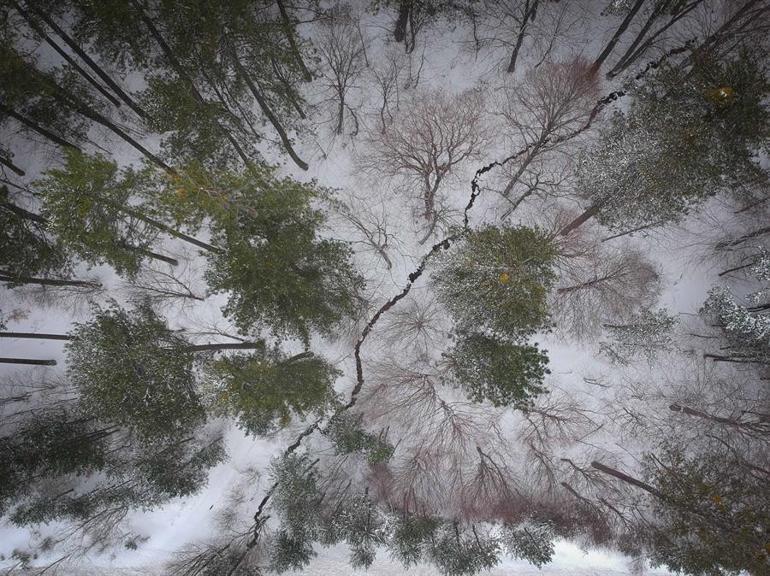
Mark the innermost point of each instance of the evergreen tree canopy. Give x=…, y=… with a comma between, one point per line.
x=498, y=279
x=131, y=369
x=712, y=515
x=685, y=138
x=265, y=389
x=85, y=204
x=277, y=269
x=497, y=371
x=26, y=247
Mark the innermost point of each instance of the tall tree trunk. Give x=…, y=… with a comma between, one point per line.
x=576, y=287
x=634, y=51
x=11, y=166
x=627, y=479
x=711, y=417
x=159, y=225
x=153, y=255
x=15, y=279
x=64, y=54
x=735, y=268
x=85, y=110
x=637, y=229
x=531, y=155
x=265, y=107
x=28, y=361
x=291, y=93
x=723, y=32
x=529, y=14
x=106, y=78
x=288, y=30
x=735, y=359
x=32, y=125
x=340, y=115
x=75, y=103
x=618, y=33
x=399, y=32
x=36, y=335
x=227, y=346
x=622, y=64
x=589, y=213
x=740, y=240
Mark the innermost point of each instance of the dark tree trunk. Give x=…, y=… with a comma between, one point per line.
x=12, y=279
x=92, y=64
x=28, y=361
x=635, y=51
x=404, y=8
x=265, y=107
x=529, y=14
x=582, y=286
x=32, y=125
x=627, y=479
x=289, y=32
x=36, y=335
x=153, y=255
x=11, y=166
x=723, y=32
x=65, y=55
x=735, y=269
x=707, y=416
x=85, y=110
x=291, y=93
x=580, y=220
x=27, y=215
x=637, y=229
x=182, y=73
x=618, y=33
x=228, y=346
x=22, y=213
x=735, y=359
x=754, y=234
x=160, y=226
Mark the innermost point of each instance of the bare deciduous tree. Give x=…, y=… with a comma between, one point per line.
x=599, y=287
x=370, y=223
x=450, y=455
x=541, y=112
x=342, y=51
x=163, y=288
x=427, y=143
x=416, y=327
x=390, y=74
